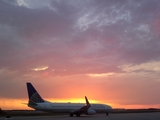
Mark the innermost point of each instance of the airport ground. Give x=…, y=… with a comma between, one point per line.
x=117, y=116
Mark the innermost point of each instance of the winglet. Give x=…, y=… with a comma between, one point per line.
x=87, y=102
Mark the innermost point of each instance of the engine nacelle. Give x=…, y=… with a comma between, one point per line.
x=90, y=112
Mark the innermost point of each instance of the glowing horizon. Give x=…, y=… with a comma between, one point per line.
x=21, y=104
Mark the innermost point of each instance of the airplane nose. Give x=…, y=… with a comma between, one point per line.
x=109, y=108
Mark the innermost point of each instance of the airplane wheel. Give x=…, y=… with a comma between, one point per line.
x=71, y=115
x=107, y=114
x=78, y=115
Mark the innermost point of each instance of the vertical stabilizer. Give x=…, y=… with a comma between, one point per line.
x=33, y=95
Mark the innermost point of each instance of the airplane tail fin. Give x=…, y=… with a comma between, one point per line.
x=33, y=95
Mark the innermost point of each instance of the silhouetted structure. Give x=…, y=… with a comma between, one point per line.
x=2, y=112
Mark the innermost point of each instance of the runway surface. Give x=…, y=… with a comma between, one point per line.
x=126, y=116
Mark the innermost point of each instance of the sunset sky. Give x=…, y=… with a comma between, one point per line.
x=107, y=50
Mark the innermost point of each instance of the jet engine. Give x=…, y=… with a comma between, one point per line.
x=90, y=112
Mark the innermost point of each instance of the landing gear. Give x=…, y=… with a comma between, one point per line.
x=78, y=115
x=106, y=113
x=71, y=114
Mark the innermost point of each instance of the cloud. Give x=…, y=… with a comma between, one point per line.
x=56, y=39
x=96, y=32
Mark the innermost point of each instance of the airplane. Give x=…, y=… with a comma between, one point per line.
x=36, y=102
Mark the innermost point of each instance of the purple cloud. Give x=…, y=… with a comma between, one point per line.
x=75, y=37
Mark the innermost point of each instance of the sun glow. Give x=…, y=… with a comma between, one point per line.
x=21, y=104
x=72, y=100
x=10, y=104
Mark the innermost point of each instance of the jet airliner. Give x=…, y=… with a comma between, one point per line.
x=38, y=103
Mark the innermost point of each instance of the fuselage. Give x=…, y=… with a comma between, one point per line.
x=36, y=102
x=69, y=107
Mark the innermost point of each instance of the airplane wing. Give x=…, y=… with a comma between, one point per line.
x=82, y=109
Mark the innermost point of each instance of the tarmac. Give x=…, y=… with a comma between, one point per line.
x=124, y=116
